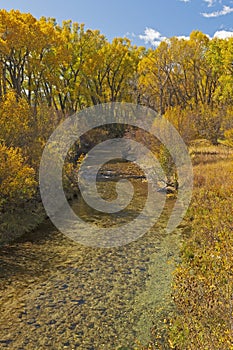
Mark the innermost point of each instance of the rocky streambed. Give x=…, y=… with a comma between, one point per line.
x=58, y=294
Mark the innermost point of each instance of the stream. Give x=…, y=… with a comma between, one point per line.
x=58, y=294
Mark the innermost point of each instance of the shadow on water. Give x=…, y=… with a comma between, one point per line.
x=57, y=294
x=26, y=256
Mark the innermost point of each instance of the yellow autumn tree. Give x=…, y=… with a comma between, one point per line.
x=17, y=179
x=15, y=118
x=110, y=72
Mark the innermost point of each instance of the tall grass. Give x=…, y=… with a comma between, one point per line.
x=203, y=283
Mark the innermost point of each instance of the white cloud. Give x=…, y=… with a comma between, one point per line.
x=210, y=3
x=128, y=34
x=184, y=0
x=223, y=34
x=182, y=37
x=225, y=11
x=152, y=37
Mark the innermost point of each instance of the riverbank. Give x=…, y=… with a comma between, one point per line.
x=58, y=294
x=203, y=284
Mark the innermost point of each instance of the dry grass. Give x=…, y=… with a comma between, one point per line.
x=213, y=165
x=202, y=152
x=203, y=283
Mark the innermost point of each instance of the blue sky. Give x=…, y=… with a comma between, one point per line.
x=144, y=22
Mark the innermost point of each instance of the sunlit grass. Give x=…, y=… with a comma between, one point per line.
x=203, y=284
x=202, y=152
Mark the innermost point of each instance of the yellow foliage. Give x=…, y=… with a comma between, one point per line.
x=182, y=120
x=15, y=116
x=229, y=137
x=17, y=179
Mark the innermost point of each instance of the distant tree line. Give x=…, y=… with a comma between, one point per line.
x=49, y=71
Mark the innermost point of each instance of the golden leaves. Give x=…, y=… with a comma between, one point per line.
x=15, y=118
x=17, y=180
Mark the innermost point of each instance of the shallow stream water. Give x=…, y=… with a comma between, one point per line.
x=58, y=294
